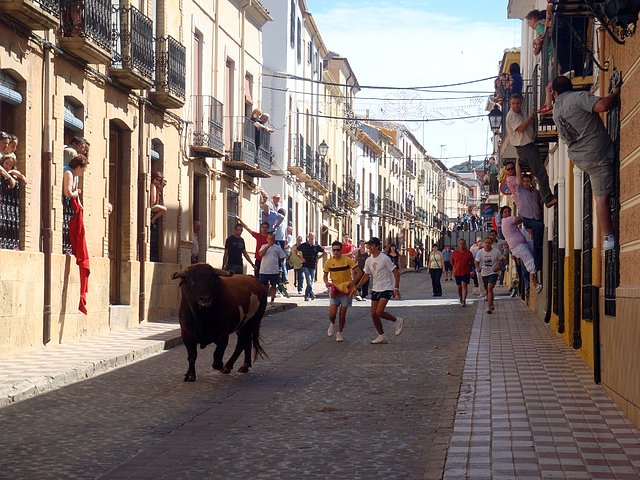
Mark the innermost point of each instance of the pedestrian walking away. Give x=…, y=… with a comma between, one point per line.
x=462, y=261
x=489, y=262
x=343, y=272
x=385, y=284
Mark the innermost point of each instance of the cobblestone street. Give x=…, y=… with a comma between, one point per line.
x=314, y=408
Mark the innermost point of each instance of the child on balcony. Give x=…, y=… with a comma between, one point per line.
x=8, y=165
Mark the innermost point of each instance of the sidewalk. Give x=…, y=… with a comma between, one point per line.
x=529, y=409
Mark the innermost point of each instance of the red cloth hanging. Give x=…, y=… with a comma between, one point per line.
x=79, y=249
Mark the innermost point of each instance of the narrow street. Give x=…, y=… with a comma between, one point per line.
x=314, y=408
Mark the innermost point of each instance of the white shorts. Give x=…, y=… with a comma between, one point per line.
x=523, y=253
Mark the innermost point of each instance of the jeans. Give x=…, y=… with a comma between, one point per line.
x=309, y=275
x=538, y=238
x=299, y=279
x=531, y=155
x=436, y=274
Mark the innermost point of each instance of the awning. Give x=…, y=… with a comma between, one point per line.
x=155, y=155
x=71, y=121
x=9, y=95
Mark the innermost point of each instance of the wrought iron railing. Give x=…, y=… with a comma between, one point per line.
x=264, y=150
x=67, y=213
x=9, y=215
x=373, y=203
x=408, y=205
x=87, y=18
x=50, y=6
x=309, y=163
x=410, y=165
x=206, y=117
x=171, y=61
x=333, y=196
x=132, y=40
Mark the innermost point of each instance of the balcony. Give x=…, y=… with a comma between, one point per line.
x=409, y=208
x=352, y=192
x=86, y=29
x=422, y=177
x=169, y=91
x=320, y=179
x=35, y=15
x=205, y=134
x=9, y=215
x=253, y=152
x=331, y=200
x=297, y=162
x=133, y=50
x=410, y=167
x=374, y=205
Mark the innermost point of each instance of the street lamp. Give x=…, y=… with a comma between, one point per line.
x=495, y=119
x=323, y=149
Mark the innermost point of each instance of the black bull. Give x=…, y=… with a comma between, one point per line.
x=214, y=304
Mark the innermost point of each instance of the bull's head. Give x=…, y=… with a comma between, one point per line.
x=199, y=284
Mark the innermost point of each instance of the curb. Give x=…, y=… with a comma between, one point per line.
x=32, y=386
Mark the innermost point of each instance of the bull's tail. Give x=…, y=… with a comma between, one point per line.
x=257, y=347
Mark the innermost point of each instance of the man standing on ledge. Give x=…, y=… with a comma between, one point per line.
x=590, y=147
x=520, y=131
x=385, y=278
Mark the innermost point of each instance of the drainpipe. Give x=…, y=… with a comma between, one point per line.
x=549, y=222
x=577, y=256
x=46, y=189
x=142, y=210
x=562, y=232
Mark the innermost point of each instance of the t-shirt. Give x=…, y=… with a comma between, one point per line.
x=235, y=248
x=270, y=259
x=512, y=233
x=380, y=270
x=488, y=261
x=462, y=262
x=272, y=218
x=518, y=139
x=310, y=254
x=361, y=258
x=295, y=258
x=260, y=240
x=339, y=270
x=347, y=248
x=529, y=203
x=447, y=255
x=580, y=128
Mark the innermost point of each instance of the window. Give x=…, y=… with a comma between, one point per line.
x=299, y=43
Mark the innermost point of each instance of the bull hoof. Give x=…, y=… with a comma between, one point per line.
x=243, y=369
x=190, y=377
x=217, y=366
x=226, y=370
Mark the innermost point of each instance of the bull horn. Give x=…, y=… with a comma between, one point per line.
x=176, y=275
x=223, y=273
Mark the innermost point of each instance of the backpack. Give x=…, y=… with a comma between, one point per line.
x=622, y=13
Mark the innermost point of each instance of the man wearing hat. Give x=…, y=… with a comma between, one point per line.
x=385, y=284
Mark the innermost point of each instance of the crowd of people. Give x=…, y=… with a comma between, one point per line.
x=8, y=170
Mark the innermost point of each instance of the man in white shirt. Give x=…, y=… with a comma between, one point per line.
x=489, y=262
x=385, y=284
x=271, y=256
x=520, y=132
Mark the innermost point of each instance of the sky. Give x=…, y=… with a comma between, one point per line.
x=422, y=43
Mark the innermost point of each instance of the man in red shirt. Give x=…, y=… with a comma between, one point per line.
x=462, y=261
x=348, y=248
x=261, y=239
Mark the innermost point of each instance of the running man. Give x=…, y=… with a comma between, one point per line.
x=489, y=262
x=462, y=261
x=343, y=271
x=385, y=284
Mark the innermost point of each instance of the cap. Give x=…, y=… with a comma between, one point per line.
x=374, y=241
x=478, y=239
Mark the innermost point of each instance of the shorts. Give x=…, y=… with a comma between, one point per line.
x=490, y=279
x=448, y=267
x=341, y=300
x=601, y=175
x=269, y=278
x=377, y=296
x=462, y=278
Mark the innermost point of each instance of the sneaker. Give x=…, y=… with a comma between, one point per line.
x=464, y=303
x=609, y=242
x=306, y=299
x=379, y=340
x=538, y=288
x=330, y=329
x=312, y=296
x=339, y=337
x=399, y=325
x=358, y=298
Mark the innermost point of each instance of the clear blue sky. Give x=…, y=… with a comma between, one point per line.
x=418, y=43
